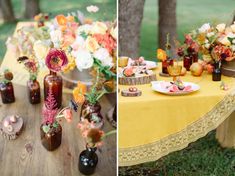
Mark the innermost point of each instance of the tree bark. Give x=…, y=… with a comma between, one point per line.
x=167, y=22
x=32, y=8
x=7, y=11
x=130, y=18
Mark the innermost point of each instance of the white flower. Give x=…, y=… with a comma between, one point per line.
x=56, y=37
x=99, y=28
x=92, y=9
x=207, y=45
x=231, y=35
x=204, y=28
x=210, y=34
x=40, y=50
x=83, y=59
x=207, y=58
x=233, y=47
x=78, y=43
x=86, y=28
x=114, y=33
x=225, y=41
x=221, y=27
x=206, y=41
x=103, y=55
x=233, y=27
x=233, y=41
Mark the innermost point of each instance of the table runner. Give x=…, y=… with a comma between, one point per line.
x=153, y=125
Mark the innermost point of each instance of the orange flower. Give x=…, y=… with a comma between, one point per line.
x=78, y=97
x=82, y=87
x=161, y=54
x=61, y=20
x=70, y=18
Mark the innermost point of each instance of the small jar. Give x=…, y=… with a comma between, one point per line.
x=7, y=93
x=55, y=83
x=34, y=91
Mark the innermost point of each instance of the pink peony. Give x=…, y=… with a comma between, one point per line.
x=56, y=59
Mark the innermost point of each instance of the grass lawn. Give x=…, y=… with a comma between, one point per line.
x=107, y=12
x=191, y=14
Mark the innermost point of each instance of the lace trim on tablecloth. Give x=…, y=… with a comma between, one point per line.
x=154, y=151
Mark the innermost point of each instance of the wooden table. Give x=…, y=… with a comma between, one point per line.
x=27, y=157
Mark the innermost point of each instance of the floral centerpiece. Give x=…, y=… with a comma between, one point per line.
x=216, y=44
x=85, y=42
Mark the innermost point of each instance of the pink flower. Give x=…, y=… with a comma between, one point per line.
x=68, y=114
x=56, y=59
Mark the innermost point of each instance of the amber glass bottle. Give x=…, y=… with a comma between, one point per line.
x=7, y=93
x=55, y=83
x=34, y=91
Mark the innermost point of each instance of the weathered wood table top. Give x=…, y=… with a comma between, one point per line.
x=26, y=156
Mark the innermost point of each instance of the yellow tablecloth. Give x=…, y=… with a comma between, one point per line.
x=152, y=125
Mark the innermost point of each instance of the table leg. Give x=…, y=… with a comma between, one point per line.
x=225, y=133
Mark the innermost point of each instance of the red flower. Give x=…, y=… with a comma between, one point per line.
x=56, y=59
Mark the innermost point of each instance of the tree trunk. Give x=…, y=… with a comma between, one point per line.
x=130, y=18
x=7, y=11
x=32, y=8
x=167, y=22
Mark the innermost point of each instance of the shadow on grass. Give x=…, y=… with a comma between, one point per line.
x=204, y=157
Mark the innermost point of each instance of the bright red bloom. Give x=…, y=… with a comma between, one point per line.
x=56, y=60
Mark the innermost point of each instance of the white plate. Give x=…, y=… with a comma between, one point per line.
x=158, y=87
x=149, y=64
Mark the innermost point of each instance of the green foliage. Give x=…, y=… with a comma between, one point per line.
x=190, y=15
x=204, y=157
x=46, y=128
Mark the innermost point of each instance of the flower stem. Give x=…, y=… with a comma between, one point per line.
x=58, y=115
x=109, y=133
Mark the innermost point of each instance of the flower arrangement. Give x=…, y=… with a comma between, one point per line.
x=94, y=136
x=86, y=43
x=216, y=43
x=51, y=115
x=6, y=77
x=31, y=65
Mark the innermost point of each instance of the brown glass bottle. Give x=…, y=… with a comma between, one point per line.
x=52, y=139
x=34, y=91
x=55, y=83
x=165, y=64
x=7, y=93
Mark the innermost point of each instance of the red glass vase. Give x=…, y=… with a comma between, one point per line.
x=187, y=62
x=7, y=93
x=34, y=91
x=55, y=83
x=165, y=64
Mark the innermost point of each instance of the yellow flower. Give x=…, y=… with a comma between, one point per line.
x=99, y=28
x=161, y=54
x=91, y=44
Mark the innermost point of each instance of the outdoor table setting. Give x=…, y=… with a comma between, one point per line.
x=165, y=114
x=42, y=88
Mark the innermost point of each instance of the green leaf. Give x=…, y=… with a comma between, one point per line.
x=45, y=128
x=55, y=124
